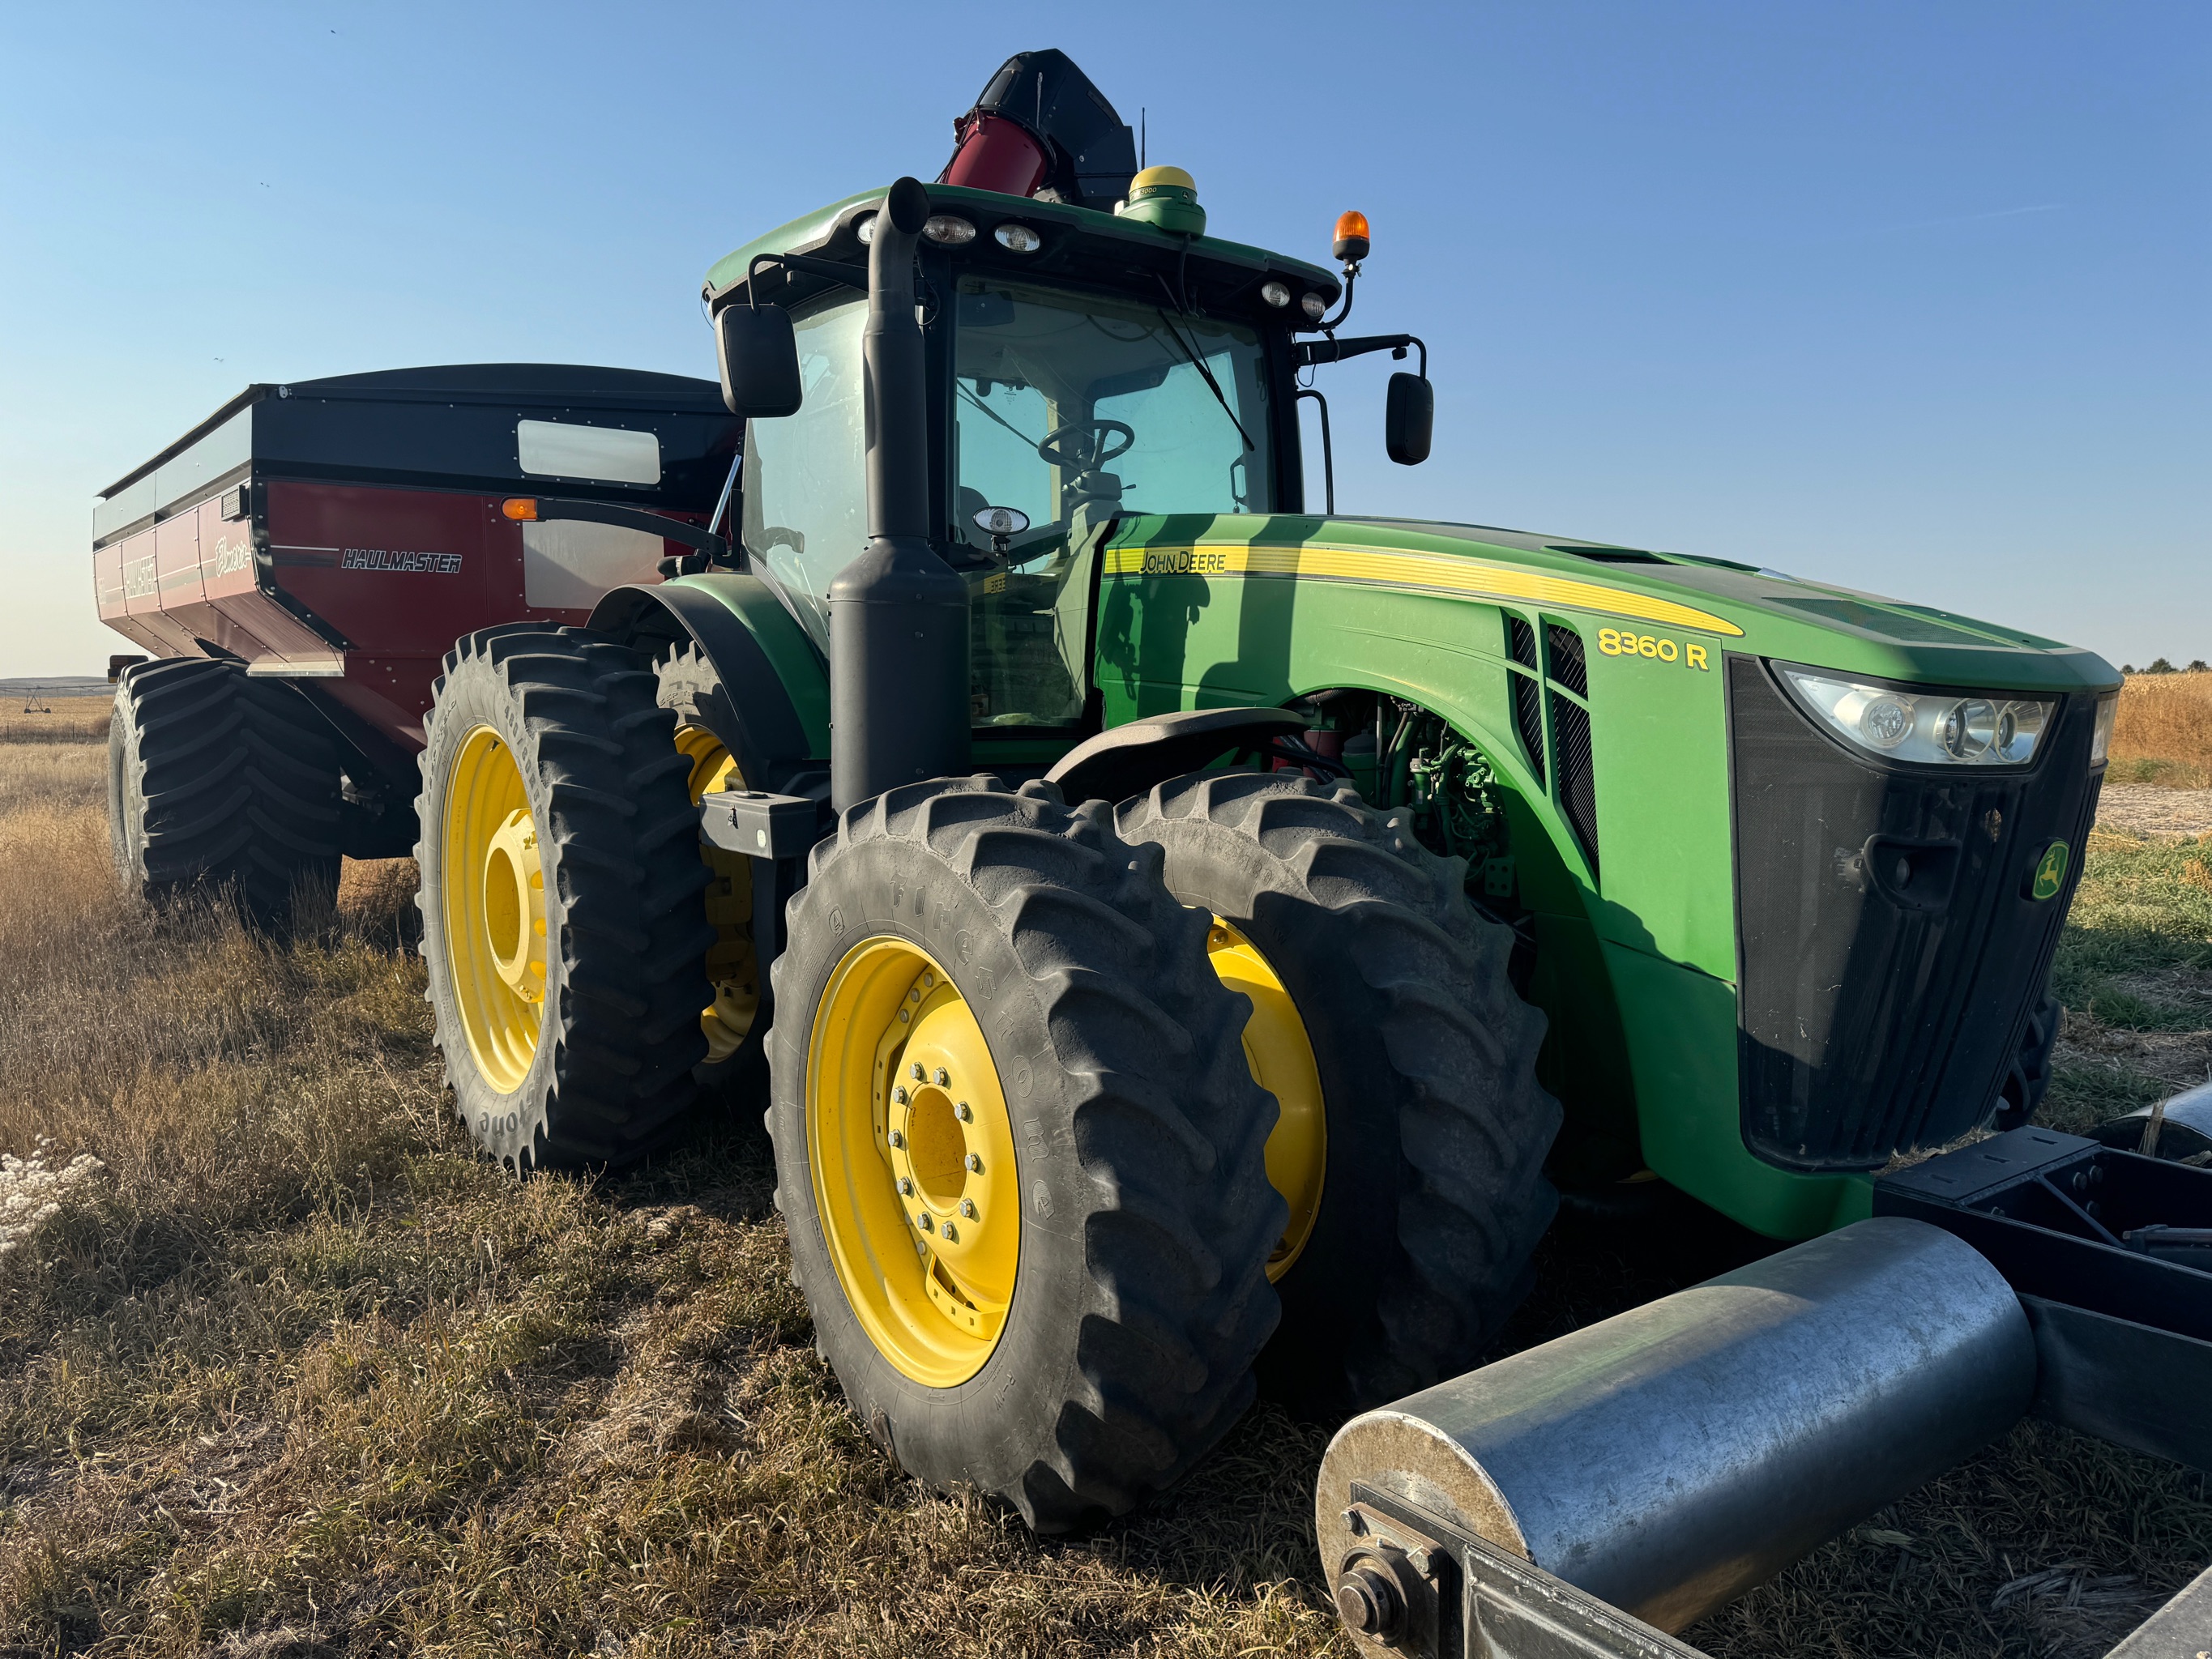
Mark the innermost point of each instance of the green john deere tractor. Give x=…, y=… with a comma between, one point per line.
x=1186, y=936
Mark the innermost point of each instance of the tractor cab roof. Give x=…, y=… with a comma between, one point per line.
x=1075, y=245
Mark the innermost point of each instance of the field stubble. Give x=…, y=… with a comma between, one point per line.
x=2164, y=731
x=74, y=721
x=295, y=1373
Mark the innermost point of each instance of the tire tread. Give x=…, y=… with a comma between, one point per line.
x=1453, y=1067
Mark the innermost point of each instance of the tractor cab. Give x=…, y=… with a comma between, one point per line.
x=1091, y=358
x=1083, y=368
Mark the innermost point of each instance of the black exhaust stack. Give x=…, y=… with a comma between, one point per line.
x=899, y=617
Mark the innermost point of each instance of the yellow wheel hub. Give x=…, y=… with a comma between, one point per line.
x=494, y=908
x=514, y=906
x=1280, y=1054
x=913, y=1156
x=731, y=967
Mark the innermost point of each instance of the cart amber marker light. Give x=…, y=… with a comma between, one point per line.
x=521, y=508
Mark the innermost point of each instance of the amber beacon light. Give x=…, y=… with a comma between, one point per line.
x=1351, y=237
x=521, y=508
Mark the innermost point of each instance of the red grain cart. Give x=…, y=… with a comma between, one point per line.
x=300, y=561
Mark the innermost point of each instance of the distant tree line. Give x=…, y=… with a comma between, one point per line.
x=2161, y=665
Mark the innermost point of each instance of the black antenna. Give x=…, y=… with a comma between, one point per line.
x=1140, y=137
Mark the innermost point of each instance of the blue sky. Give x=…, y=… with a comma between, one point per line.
x=1913, y=297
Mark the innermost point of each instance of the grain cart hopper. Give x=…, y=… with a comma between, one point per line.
x=299, y=562
x=1202, y=929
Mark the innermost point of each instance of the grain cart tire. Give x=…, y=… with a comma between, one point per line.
x=216, y=780
x=1414, y=1132
x=992, y=1015
x=707, y=727
x=561, y=924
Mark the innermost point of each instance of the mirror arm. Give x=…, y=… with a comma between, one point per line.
x=1309, y=352
x=804, y=264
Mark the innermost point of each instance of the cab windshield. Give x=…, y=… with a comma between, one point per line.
x=1068, y=406
x=1069, y=410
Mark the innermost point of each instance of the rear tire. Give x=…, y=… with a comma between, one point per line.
x=219, y=781
x=1433, y=1196
x=1121, y=1293
x=561, y=924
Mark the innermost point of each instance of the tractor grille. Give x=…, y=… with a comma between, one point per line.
x=1528, y=696
x=1570, y=739
x=1567, y=665
x=1570, y=731
x=1889, y=954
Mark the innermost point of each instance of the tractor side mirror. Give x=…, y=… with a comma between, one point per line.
x=759, y=357
x=1409, y=418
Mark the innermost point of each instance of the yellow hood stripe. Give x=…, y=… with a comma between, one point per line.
x=1437, y=572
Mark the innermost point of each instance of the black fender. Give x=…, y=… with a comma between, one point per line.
x=1130, y=759
x=776, y=683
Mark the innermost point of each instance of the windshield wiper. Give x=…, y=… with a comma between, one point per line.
x=1204, y=374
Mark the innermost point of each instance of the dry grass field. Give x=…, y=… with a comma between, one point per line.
x=289, y=1371
x=54, y=720
x=2163, y=732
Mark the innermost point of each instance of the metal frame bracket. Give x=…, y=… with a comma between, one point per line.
x=759, y=824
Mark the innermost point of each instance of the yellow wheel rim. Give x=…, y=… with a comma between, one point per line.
x=1280, y=1054
x=731, y=967
x=494, y=908
x=913, y=1156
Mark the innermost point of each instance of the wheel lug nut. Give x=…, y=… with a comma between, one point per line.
x=967, y=1208
x=964, y=1112
x=975, y=1165
x=898, y=1094
x=918, y=1073
x=897, y=1139
x=951, y=1232
x=943, y=1078
x=905, y=1186
x=923, y=1222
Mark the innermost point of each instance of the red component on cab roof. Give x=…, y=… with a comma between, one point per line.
x=995, y=153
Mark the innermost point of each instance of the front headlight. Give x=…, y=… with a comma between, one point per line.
x=1924, y=725
x=2100, y=738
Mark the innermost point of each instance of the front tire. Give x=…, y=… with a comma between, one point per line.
x=1427, y=1193
x=993, y=1020
x=561, y=924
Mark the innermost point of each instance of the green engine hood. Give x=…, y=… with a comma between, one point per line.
x=1730, y=606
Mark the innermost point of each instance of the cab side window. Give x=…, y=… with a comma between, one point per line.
x=805, y=479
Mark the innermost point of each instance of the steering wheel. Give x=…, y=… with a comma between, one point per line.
x=1083, y=445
